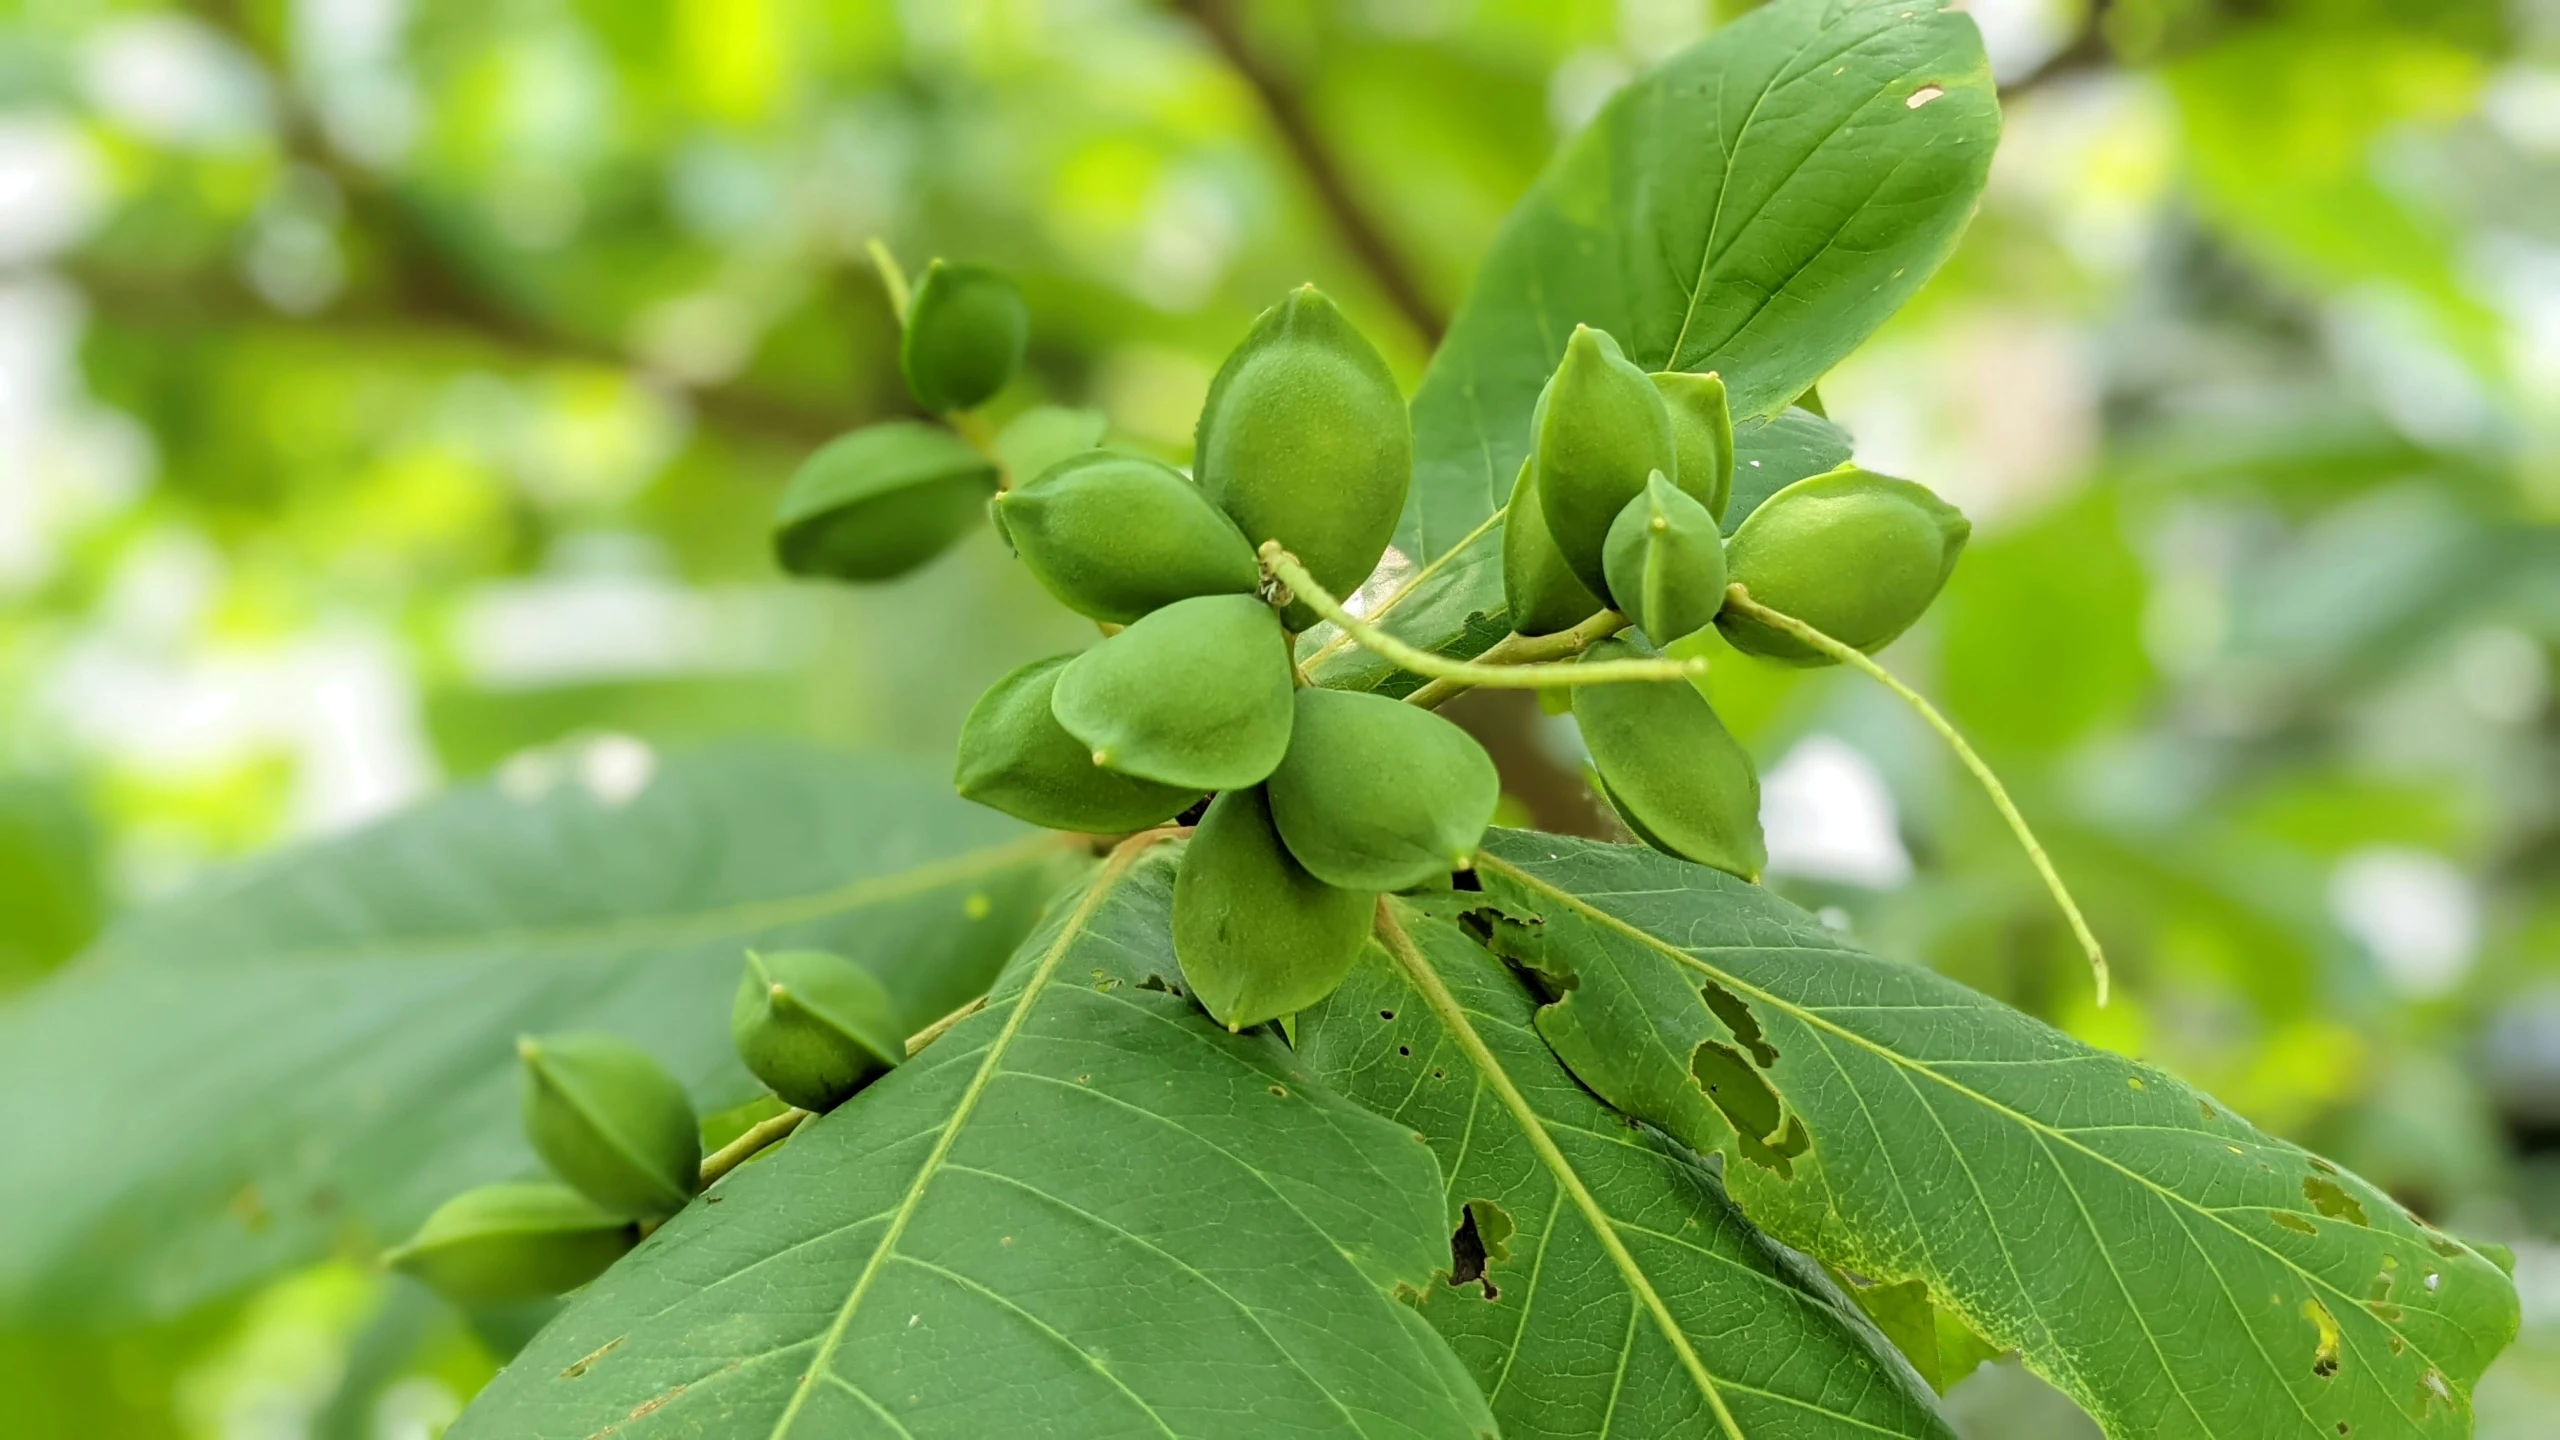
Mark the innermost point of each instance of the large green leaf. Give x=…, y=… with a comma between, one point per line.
x=317, y=1050
x=1607, y=1287
x=2176, y=1271
x=1086, y=1211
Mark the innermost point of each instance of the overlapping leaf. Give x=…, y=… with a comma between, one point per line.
x=2176, y=1271
x=319, y=1049
x=1086, y=1211
x=1687, y=1322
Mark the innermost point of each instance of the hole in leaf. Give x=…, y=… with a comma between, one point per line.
x=1924, y=95
x=2324, y=1355
x=1466, y=880
x=1737, y=1018
x=2331, y=1199
x=1405, y=1050
x=2291, y=1221
x=1768, y=1135
x=1280, y=1092
x=1481, y=1241
x=1160, y=985
x=1386, y=1014
x=2134, y=1082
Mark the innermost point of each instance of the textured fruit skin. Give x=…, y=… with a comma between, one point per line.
x=504, y=1244
x=1016, y=757
x=1665, y=559
x=608, y=1120
x=1114, y=536
x=1305, y=440
x=1684, y=784
x=1194, y=695
x=1540, y=590
x=966, y=330
x=1599, y=429
x=879, y=502
x=1857, y=556
x=1257, y=936
x=814, y=1027
x=1701, y=435
x=1375, y=794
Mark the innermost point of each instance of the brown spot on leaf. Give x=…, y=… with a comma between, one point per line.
x=587, y=1362
x=2331, y=1199
x=1924, y=95
x=2324, y=1354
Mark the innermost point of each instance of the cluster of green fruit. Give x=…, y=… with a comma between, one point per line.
x=621, y=1138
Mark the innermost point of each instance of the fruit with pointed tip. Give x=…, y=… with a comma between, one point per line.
x=1256, y=935
x=1665, y=560
x=1016, y=757
x=1599, y=429
x=1375, y=794
x=1541, y=592
x=966, y=331
x=607, y=1119
x=1855, y=555
x=877, y=503
x=1701, y=435
x=1114, y=536
x=1683, y=783
x=506, y=1244
x=815, y=1027
x=1193, y=695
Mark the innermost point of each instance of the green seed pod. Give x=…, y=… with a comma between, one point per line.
x=1856, y=556
x=814, y=1027
x=1684, y=784
x=1305, y=440
x=1016, y=757
x=1114, y=536
x=1257, y=936
x=1665, y=559
x=879, y=502
x=1375, y=794
x=1600, y=428
x=966, y=329
x=506, y=1244
x=1702, y=435
x=1543, y=593
x=608, y=1120
x=1195, y=694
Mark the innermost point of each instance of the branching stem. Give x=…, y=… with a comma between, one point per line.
x=1526, y=650
x=1739, y=599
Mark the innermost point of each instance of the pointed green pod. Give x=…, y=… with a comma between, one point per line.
x=1542, y=592
x=1114, y=536
x=1857, y=556
x=1305, y=440
x=608, y=1120
x=1702, y=436
x=814, y=1027
x=1375, y=794
x=1195, y=694
x=1016, y=757
x=1257, y=936
x=1665, y=559
x=879, y=502
x=505, y=1244
x=1684, y=784
x=966, y=331
x=1599, y=429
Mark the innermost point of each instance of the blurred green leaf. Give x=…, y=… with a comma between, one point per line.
x=2042, y=629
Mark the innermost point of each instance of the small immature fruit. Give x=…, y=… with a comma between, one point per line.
x=1665, y=559
x=608, y=1120
x=879, y=502
x=814, y=1027
x=1543, y=593
x=1305, y=440
x=1702, y=434
x=1856, y=556
x=1257, y=936
x=1684, y=784
x=966, y=329
x=1599, y=429
x=1114, y=536
x=1195, y=694
x=1376, y=794
x=504, y=1244
x=1016, y=757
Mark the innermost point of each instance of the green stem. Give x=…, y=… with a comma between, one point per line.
x=1516, y=649
x=1283, y=567
x=1739, y=599
x=893, y=277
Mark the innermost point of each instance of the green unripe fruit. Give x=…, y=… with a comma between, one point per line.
x=1257, y=936
x=1016, y=757
x=506, y=1244
x=814, y=1027
x=879, y=502
x=1701, y=435
x=1194, y=695
x=1114, y=536
x=1375, y=794
x=1541, y=591
x=966, y=329
x=1305, y=440
x=1856, y=556
x=1665, y=560
x=1599, y=429
x=608, y=1120
x=1684, y=784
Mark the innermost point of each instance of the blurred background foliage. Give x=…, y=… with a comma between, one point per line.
x=387, y=387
